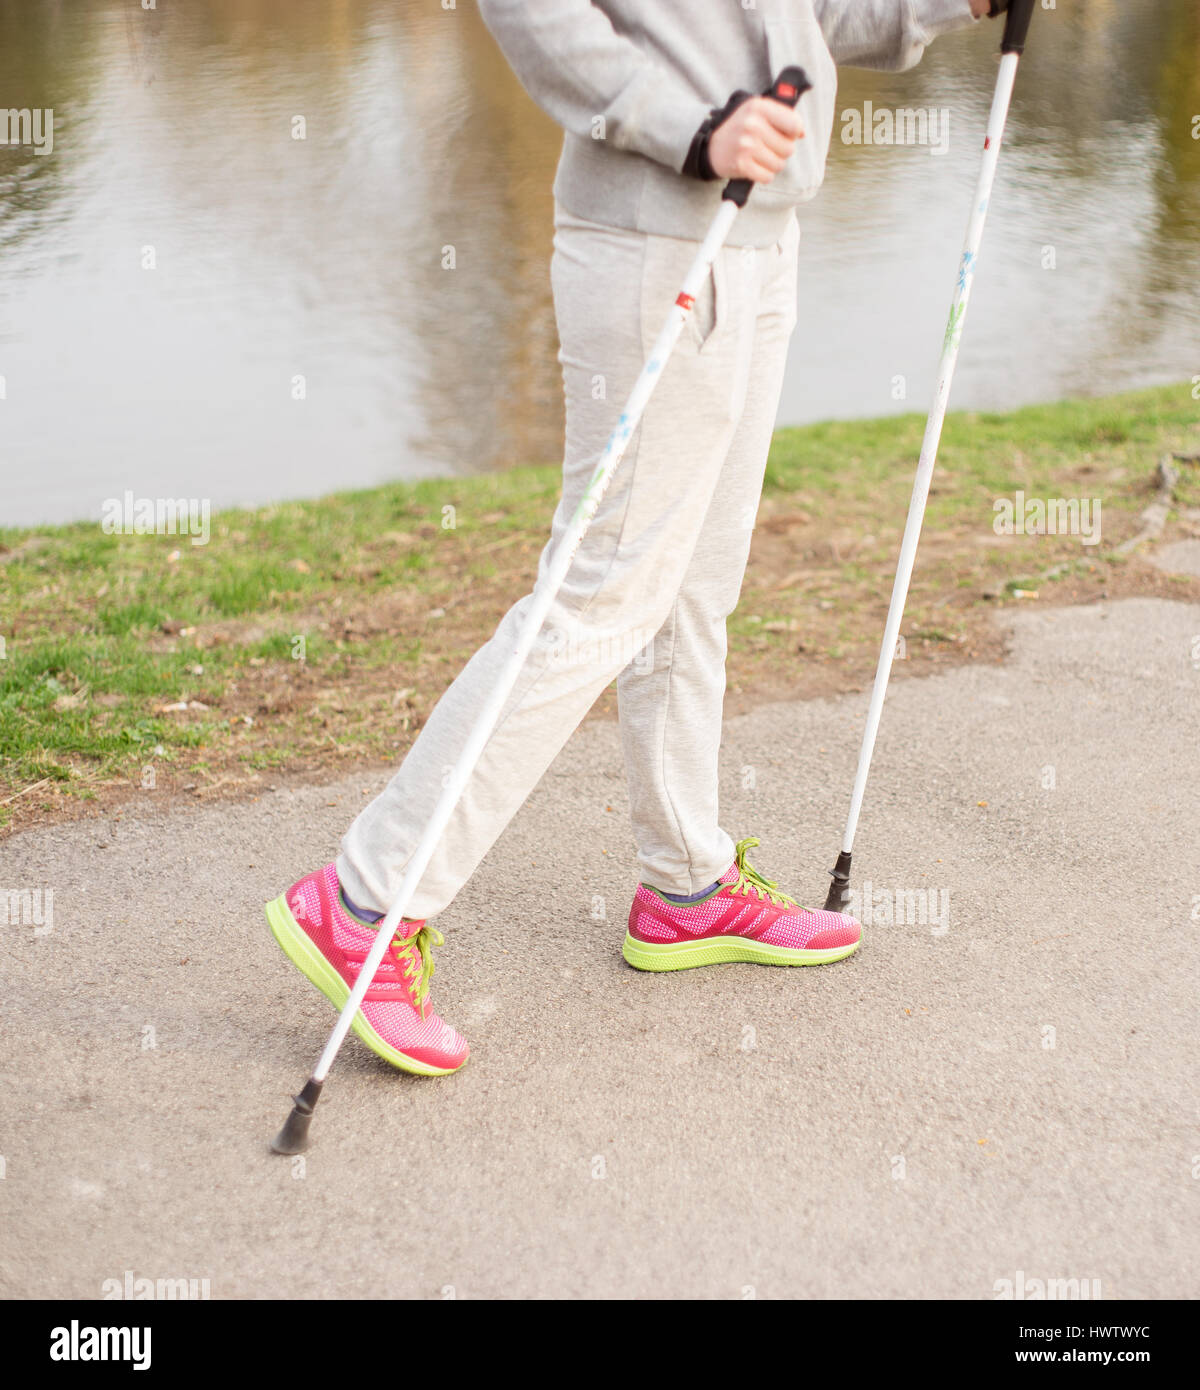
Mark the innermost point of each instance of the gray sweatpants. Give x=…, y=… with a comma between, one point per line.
x=651, y=586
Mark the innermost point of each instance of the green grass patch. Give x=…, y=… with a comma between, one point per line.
x=300, y=626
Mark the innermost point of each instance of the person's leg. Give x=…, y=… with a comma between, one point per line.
x=671, y=714
x=671, y=704
x=611, y=289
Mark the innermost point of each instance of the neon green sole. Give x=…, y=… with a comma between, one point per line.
x=304, y=955
x=719, y=950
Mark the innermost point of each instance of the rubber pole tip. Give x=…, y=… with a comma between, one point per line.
x=839, y=889
x=293, y=1137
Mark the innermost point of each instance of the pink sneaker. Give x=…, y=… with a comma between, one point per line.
x=328, y=945
x=745, y=918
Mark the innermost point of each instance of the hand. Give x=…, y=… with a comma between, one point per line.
x=754, y=141
x=991, y=8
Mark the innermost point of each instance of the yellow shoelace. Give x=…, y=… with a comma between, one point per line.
x=749, y=877
x=425, y=939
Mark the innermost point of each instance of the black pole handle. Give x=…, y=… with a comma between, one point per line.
x=1016, y=25
x=788, y=87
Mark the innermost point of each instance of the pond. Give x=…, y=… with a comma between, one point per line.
x=196, y=302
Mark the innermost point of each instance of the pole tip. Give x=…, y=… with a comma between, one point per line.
x=293, y=1137
x=839, y=889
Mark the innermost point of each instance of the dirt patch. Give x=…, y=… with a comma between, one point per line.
x=809, y=624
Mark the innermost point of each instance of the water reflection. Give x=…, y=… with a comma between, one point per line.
x=318, y=267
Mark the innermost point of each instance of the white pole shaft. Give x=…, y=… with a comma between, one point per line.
x=543, y=597
x=933, y=431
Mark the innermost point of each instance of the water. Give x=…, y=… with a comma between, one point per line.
x=277, y=259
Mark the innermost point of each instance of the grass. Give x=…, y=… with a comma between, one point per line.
x=313, y=635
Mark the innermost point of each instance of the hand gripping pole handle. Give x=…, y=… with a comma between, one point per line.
x=788, y=87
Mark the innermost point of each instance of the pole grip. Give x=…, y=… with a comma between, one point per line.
x=1016, y=26
x=788, y=87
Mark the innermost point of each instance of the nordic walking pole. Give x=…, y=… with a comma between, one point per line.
x=1016, y=28
x=788, y=87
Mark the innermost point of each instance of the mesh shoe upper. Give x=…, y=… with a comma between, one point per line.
x=745, y=905
x=392, y=1004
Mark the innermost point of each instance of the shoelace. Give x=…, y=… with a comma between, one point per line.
x=418, y=976
x=749, y=877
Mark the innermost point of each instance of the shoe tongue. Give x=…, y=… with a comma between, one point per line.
x=730, y=875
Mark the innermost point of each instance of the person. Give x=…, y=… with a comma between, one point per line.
x=657, y=108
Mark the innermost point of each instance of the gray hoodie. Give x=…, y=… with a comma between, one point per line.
x=632, y=80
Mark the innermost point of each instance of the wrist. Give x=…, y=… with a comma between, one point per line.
x=697, y=165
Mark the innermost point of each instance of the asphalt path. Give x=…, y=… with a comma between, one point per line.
x=1000, y=1086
